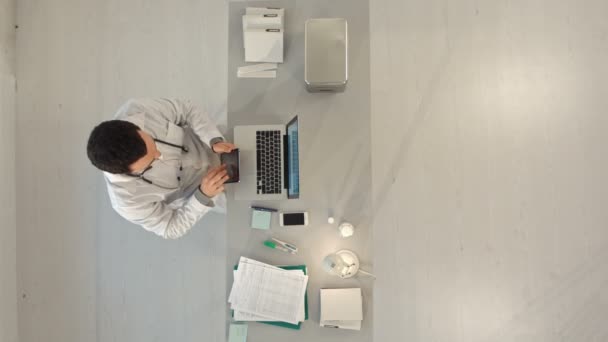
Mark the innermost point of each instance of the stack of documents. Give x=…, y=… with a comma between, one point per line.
x=262, y=292
x=263, y=34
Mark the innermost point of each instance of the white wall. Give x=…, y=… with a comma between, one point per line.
x=8, y=275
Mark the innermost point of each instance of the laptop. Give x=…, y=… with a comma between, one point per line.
x=269, y=161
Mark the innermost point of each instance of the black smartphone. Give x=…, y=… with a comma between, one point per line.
x=231, y=160
x=293, y=219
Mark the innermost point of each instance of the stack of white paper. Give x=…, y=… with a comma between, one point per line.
x=262, y=292
x=263, y=34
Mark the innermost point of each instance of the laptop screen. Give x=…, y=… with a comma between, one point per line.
x=293, y=160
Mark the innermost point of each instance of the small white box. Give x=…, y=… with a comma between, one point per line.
x=263, y=34
x=341, y=308
x=264, y=45
x=262, y=21
x=265, y=10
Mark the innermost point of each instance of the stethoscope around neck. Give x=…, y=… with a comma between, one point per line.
x=181, y=147
x=141, y=175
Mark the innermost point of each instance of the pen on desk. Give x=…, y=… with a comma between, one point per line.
x=287, y=245
x=264, y=209
x=273, y=245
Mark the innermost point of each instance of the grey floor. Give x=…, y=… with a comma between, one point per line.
x=488, y=146
x=488, y=121
x=8, y=270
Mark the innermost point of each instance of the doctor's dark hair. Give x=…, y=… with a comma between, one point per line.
x=114, y=145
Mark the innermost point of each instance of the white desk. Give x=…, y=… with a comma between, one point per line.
x=335, y=161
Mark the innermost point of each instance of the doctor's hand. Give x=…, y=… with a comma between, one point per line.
x=213, y=183
x=223, y=147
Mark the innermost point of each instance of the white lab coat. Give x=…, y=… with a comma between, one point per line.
x=172, y=204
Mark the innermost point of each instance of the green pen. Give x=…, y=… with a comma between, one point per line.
x=273, y=245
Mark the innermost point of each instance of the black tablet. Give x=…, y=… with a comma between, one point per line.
x=231, y=160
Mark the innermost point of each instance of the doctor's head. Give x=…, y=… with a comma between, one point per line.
x=118, y=147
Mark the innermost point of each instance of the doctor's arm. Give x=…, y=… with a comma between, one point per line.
x=164, y=221
x=170, y=223
x=183, y=112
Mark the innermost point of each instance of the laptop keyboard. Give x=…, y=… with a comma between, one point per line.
x=268, y=150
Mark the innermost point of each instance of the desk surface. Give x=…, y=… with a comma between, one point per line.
x=335, y=161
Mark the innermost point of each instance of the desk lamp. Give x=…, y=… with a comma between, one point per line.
x=344, y=264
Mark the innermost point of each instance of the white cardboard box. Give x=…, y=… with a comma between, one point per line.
x=264, y=45
x=263, y=34
x=341, y=308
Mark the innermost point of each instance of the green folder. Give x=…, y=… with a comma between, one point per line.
x=285, y=324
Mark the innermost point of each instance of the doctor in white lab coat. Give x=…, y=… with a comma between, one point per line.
x=159, y=158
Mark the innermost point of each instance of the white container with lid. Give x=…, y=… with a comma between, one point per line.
x=326, y=55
